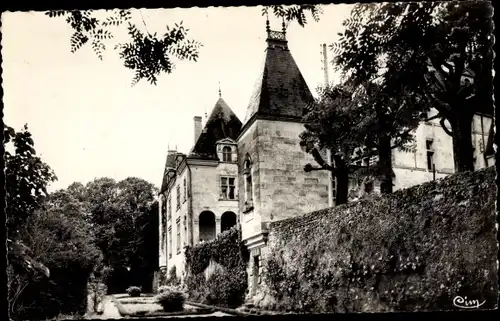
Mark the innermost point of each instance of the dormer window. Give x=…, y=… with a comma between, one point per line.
x=226, y=154
x=226, y=150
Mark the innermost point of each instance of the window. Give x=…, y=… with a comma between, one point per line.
x=178, y=196
x=430, y=154
x=185, y=190
x=248, y=181
x=227, y=188
x=170, y=243
x=178, y=237
x=226, y=154
x=169, y=208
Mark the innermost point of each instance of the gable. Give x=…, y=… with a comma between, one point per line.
x=222, y=124
x=227, y=141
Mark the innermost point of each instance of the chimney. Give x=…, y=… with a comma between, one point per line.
x=197, y=128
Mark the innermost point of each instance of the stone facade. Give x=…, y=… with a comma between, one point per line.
x=252, y=174
x=413, y=168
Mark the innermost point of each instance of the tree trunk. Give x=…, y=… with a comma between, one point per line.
x=463, y=155
x=385, y=163
x=342, y=186
x=342, y=180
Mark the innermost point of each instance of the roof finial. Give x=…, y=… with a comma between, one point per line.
x=220, y=93
x=268, y=28
x=283, y=24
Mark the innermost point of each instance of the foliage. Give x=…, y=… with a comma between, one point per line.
x=64, y=244
x=147, y=54
x=413, y=250
x=172, y=277
x=294, y=12
x=125, y=221
x=47, y=241
x=151, y=54
x=134, y=291
x=226, y=287
x=419, y=53
x=166, y=288
x=26, y=179
x=227, y=283
x=354, y=126
x=171, y=300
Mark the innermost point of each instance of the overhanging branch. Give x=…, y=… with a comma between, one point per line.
x=443, y=125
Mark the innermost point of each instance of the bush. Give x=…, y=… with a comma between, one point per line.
x=172, y=277
x=413, y=250
x=216, y=270
x=134, y=291
x=171, y=300
x=167, y=288
x=226, y=287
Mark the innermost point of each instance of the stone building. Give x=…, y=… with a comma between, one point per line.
x=198, y=196
x=251, y=173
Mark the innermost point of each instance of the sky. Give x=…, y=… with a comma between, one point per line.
x=87, y=120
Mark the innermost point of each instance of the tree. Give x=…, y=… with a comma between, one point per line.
x=47, y=234
x=63, y=242
x=354, y=126
x=420, y=53
x=26, y=179
x=151, y=54
x=124, y=219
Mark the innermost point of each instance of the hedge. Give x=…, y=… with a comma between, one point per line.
x=416, y=249
x=225, y=283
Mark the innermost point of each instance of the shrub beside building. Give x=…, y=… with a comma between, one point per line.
x=216, y=270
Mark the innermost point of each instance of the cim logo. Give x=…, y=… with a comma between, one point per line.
x=463, y=303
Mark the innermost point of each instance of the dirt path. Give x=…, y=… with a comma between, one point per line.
x=110, y=311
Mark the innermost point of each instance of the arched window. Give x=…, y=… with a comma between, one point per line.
x=207, y=226
x=227, y=220
x=226, y=154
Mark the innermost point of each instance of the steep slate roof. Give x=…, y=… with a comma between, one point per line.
x=281, y=90
x=169, y=165
x=221, y=124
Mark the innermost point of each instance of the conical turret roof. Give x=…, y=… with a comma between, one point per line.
x=281, y=90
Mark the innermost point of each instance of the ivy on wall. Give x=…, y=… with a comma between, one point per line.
x=226, y=283
x=416, y=249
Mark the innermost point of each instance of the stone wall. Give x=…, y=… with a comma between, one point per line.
x=247, y=146
x=286, y=189
x=206, y=191
x=281, y=187
x=417, y=249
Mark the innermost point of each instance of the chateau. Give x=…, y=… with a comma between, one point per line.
x=252, y=172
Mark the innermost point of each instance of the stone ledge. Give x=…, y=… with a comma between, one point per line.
x=226, y=310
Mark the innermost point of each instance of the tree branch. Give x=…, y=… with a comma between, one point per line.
x=433, y=117
x=319, y=159
x=443, y=125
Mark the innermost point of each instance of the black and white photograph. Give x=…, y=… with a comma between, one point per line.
x=238, y=160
